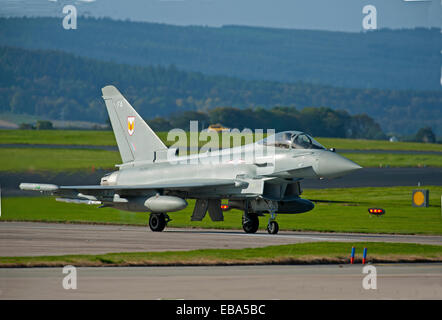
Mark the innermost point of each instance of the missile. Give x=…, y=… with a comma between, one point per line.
x=38, y=187
x=79, y=201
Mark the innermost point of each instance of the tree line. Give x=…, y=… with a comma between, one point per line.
x=322, y=122
x=60, y=86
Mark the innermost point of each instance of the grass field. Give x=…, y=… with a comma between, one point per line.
x=26, y=159
x=106, y=138
x=44, y=159
x=363, y=144
x=302, y=253
x=370, y=160
x=347, y=214
x=68, y=137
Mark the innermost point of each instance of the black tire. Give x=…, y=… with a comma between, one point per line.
x=157, y=222
x=273, y=227
x=250, y=223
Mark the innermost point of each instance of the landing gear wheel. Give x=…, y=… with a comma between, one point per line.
x=250, y=223
x=273, y=227
x=157, y=222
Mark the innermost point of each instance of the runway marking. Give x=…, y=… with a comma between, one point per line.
x=283, y=236
x=325, y=237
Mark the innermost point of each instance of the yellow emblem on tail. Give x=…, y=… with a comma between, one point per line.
x=130, y=125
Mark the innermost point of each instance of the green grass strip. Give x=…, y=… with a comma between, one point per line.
x=302, y=253
x=382, y=160
x=106, y=138
x=56, y=160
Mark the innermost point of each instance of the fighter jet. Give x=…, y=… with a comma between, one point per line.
x=153, y=178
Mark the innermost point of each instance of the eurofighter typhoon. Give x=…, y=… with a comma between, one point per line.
x=258, y=178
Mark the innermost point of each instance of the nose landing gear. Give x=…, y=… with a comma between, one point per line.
x=250, y=221
x=272, y=226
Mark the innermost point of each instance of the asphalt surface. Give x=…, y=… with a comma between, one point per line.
x=35, y=239
x=395, y=281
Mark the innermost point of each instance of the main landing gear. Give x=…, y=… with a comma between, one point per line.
x=250, y=222
x=158, y=221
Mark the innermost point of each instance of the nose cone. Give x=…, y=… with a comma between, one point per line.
x=332, y=165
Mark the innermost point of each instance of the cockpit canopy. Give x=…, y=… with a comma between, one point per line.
x=291, y=140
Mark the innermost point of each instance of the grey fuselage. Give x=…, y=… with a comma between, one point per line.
x=255, y=167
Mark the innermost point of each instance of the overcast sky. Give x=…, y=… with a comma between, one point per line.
x=341, y=15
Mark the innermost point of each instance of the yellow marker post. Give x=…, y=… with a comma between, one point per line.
x=420, y=198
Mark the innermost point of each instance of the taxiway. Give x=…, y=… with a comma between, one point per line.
x=35, y=239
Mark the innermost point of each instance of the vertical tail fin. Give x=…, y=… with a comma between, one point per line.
x=135, y=139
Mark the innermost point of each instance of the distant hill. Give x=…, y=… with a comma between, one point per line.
x=385, y=59
x=58, y=85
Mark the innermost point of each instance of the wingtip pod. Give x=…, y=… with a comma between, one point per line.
x=38, y=187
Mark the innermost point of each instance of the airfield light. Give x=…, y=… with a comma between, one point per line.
x=376, y=211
